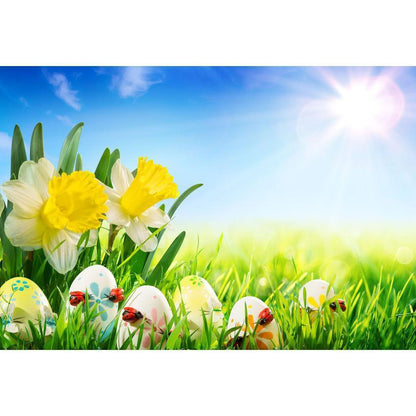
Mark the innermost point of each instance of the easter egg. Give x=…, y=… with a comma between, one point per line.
x=260, y=323
x=144, y=319
x=98, y=282
x=317, y=292
x=21, y=301
x=199, y=300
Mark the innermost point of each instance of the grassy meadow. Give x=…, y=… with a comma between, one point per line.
x=364, y=268
x=371, y=270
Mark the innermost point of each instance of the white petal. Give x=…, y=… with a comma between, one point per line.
x=37, y=175
x=26, y=199
x=116, y=214
x=112, y=194
x=60, y=250
x=154, y=217
x=73, y=236
x=121, y=177
x=22, y=232
x=139, y=233
x=76, y=236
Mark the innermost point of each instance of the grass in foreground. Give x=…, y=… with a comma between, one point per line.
x=379, y=291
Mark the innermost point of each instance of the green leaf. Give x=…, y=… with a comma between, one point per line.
x=18, y=153
x=113, y=158
x=164, y=263
x=78, y=162
x=175, y=335
x=70, y=149
x=103, y=164
x=12, y=256
x=172, y=210
x=36, y=143
x=182, y=198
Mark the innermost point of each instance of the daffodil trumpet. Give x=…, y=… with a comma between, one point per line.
x=132, y=200
x=52, y=211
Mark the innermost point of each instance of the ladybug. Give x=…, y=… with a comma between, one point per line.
x=341, y=304
x=116, y=295
x=265, y=317
x=131, y=315
x=75, y=298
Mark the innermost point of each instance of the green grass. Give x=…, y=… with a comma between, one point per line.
x=271, y=264
x=268, y=261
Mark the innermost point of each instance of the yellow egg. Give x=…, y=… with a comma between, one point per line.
x=21, y=301
x=199, y=300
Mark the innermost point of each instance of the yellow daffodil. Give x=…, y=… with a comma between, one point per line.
x=132, y=200
x=52, y=211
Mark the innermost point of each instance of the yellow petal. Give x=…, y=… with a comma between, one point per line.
x=151, y=185
x=313, y=302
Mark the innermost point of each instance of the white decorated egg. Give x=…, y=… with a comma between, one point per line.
x=21, y=301
x=317, y=292
x=199, y=300
x=146, y=314
x=98, y=282
x=260, y=323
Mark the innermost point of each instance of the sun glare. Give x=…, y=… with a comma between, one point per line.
x=368, y=106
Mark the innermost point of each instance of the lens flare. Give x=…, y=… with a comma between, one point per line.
x=368, y=106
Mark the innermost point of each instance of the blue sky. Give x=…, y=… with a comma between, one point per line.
x=264, y=141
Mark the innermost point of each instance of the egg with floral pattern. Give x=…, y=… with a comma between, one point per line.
x=144, y=319
x=21, y=301
x=251, y=316
x=98, y=282
x=200, y=302
x=314, y=294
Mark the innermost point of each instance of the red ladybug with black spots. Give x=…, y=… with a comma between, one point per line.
x=116, y=295
x=265, y=317
x=75, y=298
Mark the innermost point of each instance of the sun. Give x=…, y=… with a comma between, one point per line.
x=369, y=106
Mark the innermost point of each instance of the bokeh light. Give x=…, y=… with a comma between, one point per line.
x=404, y=255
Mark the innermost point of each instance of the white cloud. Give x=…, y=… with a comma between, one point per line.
x=134, y=81
x=64, y=119
x=62, y=89
x=5, y=141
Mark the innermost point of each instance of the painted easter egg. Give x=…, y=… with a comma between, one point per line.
x=199, y=299
x=21, y=301
x=317, y=292
x=260, y=323
x=144, y=319
x=103, y=295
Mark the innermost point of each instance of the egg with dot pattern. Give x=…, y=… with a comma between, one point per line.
x=21, y=301
x=251, y=316
x=98, y=282
x=200, y=301
x=153, y=316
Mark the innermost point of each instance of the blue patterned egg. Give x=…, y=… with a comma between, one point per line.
x=96, y=281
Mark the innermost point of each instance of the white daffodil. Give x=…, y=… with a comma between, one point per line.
x=132, y=200
x=52, y=211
